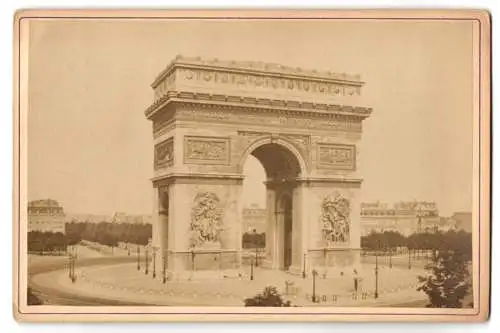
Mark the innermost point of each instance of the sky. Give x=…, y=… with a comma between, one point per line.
x=91, y=148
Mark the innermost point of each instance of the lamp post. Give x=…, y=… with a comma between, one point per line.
x=147, y=262
x=304, y=268
x=154, y=262
x=192, y=259
x=256, y=247
x=251, y=270
x=164, y=268
x=138, y=257
x=70, y=263
x=409, y=258
x=376, y=271
x=314, y=273
x=390, y=257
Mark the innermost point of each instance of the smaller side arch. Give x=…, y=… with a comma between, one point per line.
x=274, y=140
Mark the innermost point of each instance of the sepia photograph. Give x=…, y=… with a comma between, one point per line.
x=235, y=165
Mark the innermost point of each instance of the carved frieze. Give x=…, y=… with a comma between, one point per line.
x=303, y=84
x=206, y=150
x=269, y=119
x=336, y=156
x=164, y=154
x=335, y=219
x=206, y=220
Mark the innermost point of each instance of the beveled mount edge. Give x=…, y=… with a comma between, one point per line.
x=257, y=67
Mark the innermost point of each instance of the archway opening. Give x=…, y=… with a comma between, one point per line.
x=270, y=175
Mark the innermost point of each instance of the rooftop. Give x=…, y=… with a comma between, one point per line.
x=257, y=67
x=44, y=203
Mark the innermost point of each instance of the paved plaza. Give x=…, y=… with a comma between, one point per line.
x=124, y=282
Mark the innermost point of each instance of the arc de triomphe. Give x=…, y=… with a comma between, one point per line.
x=304, y=127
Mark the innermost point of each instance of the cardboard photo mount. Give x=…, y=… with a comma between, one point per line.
x=481, y=210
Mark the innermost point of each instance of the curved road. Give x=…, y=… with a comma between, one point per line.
x=54, y=296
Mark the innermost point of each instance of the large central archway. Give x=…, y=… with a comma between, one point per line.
x=282, y=167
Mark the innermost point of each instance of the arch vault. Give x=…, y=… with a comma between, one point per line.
x=208, y=116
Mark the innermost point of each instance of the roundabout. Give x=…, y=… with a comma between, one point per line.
x=117, y=281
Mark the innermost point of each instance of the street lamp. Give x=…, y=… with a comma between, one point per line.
x=154, y=262
x=164, y=268
x=376, y=270
x=147, y=262
x=314, y=273
x=409, y=258
x=304, y=268
x=251, y=270
x=138, y=257
x=390, y=257
x=72, y=262
x=256, y=247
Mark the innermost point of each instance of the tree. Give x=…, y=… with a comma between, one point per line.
x=33, y=299
x=447, y=282
x=269, y=297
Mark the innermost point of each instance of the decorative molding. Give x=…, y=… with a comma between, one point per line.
x=291, y=120
x=328, y=182
x=270, y=81
x=165, y=86
x=336, y=156
x=297, y=138
x=164, y=154
x=230, y=102
x=206, y=150
x=206, y=179
x=336, y=220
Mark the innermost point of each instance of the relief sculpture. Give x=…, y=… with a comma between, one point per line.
x=164, y=153
x=335, y=219
x=336, y=156
x=206, y=150
x=206, y=220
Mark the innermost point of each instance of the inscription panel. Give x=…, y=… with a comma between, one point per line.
x=206, y=150
x=337, y=156
x=164, y=154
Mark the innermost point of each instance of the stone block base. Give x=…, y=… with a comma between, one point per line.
x=206, y=275
x=335, y=262
x=204, y=260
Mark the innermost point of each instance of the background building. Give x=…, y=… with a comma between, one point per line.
x=46, y=215
x=462, y=221
x=405, y=217
x=121, y=217
x=254, y=217
x=91, y=218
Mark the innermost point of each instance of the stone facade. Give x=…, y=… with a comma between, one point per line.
x=406, y=217
x=303, y=126
x=46, y=215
